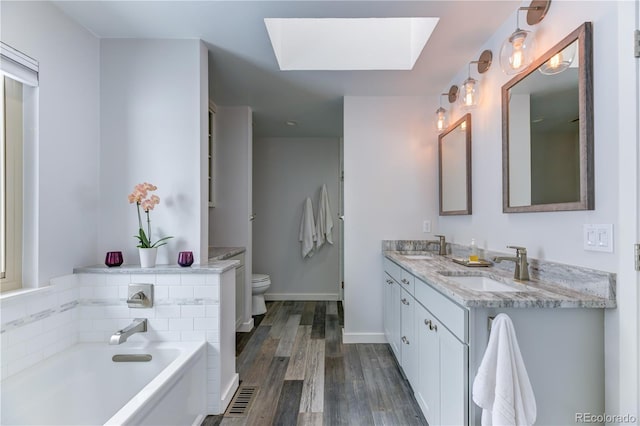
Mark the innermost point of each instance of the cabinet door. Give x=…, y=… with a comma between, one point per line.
x=395, y=321
x=387, y=293
x=239, y=295
x=409, y=345
x=454, y=369
x=427, y=387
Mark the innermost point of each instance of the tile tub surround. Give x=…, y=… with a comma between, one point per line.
x=557, y=276
x=37, y=324
x=90, y=305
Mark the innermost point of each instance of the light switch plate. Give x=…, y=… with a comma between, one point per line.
x=598, y=237
x=426, y=226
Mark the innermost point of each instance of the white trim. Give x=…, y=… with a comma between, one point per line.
x=199, y=419
x=228, y=393
x=363, y=337
x=18, y=66
x=245, y=327
x=302, y=296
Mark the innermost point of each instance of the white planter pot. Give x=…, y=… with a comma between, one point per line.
x=148, y=257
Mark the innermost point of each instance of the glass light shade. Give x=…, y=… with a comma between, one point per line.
x=469, y=93
x=441, y=119
x=517, y=52
x=560, y=61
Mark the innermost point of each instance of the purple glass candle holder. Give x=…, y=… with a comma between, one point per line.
x=114, y=258
x=185, y=258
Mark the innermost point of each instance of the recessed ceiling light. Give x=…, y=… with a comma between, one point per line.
x=291, y=123
x=348, y=43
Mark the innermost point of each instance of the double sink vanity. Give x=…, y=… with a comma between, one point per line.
x=437, y=317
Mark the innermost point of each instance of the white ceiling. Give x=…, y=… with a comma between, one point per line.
x=244, y=69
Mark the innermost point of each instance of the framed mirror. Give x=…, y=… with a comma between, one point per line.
x=454, y=161
x=547, y=130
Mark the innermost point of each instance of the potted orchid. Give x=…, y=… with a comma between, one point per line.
x=147, y=249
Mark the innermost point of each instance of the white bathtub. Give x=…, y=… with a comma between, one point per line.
x=83, y=386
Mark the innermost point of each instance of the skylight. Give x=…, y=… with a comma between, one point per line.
x=348, y=43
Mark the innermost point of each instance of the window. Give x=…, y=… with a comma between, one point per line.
x=11, y=137
x=18, y=82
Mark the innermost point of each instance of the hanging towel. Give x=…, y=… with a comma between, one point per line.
x=324, y=224
x=307, y=229
x=502, y=386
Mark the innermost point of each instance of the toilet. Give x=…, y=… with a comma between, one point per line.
x=259, y=285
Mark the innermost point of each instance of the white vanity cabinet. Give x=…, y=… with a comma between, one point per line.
x=440, y=344
x=398, y=313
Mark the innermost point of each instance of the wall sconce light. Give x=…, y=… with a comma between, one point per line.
x=442, y=119
x=517, y=51
x=470, y=88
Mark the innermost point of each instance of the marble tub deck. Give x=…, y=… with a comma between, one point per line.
x=536, y=293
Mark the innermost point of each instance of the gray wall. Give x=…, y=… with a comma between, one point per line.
x=285, y=172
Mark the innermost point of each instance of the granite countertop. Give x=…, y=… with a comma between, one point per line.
x=211, y=267
x=222, y=253
x=534, y=294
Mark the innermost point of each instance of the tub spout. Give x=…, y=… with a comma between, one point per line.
x=139, y=325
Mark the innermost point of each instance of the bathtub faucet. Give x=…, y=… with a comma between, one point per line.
x=139, y=325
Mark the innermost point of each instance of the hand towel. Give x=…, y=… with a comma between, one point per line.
x=307, y=229
x=324, y=224
x=502, y=387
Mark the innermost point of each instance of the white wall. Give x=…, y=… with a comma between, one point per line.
x=390, y=187
x=69, y=135
x=558, y=236
x=285, y=172
x=378, y=156
x=153, y=116
x=229, y=224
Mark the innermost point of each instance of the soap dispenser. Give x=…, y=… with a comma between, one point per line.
x=473, y=254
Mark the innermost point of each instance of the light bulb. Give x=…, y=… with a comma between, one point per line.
x=469, y=98
x=516, y=52
x=441, y=119
x=560, y=61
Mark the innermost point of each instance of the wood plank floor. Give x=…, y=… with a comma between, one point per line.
x=305, y=376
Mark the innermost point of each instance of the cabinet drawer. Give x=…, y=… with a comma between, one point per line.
x=407, y=281
x=392, y=269
x=453, y=316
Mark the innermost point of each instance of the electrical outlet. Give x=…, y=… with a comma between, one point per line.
x=426, y=226
x=598, y=238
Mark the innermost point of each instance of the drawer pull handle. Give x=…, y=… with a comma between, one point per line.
x=405, y=301
x=405, y=281
x=427, y=323
x=433, y=327
x=405, y=340
x=389, y=282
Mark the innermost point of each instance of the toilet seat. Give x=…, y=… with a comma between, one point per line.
x=259, y=278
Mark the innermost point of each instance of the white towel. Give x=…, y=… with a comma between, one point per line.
x=307, y=229
x=324, y=224
x=502, y=386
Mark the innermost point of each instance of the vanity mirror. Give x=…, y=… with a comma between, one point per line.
x=454, y=161
x=547, y=130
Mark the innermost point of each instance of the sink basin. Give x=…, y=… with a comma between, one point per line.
x=417, y=256
x=478, y=283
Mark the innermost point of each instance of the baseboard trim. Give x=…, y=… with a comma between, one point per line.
x=301, y=296
x=245, y=327
x=228, y=393
x=363, y=337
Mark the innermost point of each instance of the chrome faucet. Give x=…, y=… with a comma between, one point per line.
x=522, y=266
x=442, y=243
x=139, y=325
